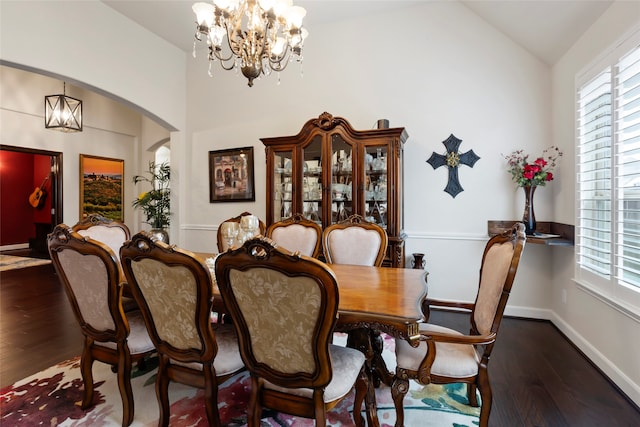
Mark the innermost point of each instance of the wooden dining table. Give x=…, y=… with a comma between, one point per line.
x=379, y=299
x=382, y=298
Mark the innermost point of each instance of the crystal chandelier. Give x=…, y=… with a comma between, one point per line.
x=63, y=113
x=262, y=35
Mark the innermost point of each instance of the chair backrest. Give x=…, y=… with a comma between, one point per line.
x=297, y=233
x=355, y=241
x=110, y=232
x=90, y=272
x=284, y=307
x=222, y=245
x=499, y=265
x=173, y=289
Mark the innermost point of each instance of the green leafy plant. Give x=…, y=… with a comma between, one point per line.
x=155, y=203
x=538, y=172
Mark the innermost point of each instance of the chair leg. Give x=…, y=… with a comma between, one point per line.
x=399, y=389
x=255, y=409
x=86, y=365
x=124, y=384
x=485, y=394
x=472, y=395
x=162, y=391
x=211, y=396
x=362, y=384
x=320, y=409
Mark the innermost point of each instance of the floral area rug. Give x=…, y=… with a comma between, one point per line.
x=10, y=262
x=51, y=398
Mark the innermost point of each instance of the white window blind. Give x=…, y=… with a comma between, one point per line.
x=628, y=169
x=608, y=179
x=594, y=175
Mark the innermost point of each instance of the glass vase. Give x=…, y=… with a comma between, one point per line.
x=160, y=234
x=529, y=216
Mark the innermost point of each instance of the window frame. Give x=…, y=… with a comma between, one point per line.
x=612, y=290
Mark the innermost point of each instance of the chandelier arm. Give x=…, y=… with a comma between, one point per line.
x=197, y=35
x=227, y=67
x=263, y=50
x=236, y=28
x=214, y=54
x=236, y=48
x=217, y=54
x=277, y=64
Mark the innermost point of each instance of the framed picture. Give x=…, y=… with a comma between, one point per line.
x=231, y=175
x=101, y=187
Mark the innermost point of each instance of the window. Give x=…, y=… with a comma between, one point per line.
x=608, y=187
x=162, y=155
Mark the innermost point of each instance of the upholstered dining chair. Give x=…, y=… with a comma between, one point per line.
x=448, y=356
x=354, y=241
x=174, y=291
x=284, y=307
x=89, y=273
x=113, y=234
x=222, y=244
x=297, y=233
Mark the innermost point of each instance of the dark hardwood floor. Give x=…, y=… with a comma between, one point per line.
x=37, y=327
x=538, y=377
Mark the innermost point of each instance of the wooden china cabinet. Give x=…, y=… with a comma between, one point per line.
x=329, y=171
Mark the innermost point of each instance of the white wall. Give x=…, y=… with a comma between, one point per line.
x=92, y=45
x=109, y=130
x=78, y=42
x=459, y=75
x=600, y=331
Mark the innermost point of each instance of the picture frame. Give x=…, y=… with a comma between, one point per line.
x=231, y=177
x=101, y=187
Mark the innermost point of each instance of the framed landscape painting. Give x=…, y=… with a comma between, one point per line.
x=101, y=187
x=231, y=175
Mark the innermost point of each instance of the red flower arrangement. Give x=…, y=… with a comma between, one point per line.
x=533, y=174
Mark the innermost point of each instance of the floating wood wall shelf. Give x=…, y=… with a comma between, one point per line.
x=565, y=231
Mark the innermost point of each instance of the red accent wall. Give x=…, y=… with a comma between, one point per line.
x=20, y=174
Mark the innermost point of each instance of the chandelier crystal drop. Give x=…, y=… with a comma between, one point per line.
x=261, y=35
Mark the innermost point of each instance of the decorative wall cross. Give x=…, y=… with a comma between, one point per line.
x=452, y=160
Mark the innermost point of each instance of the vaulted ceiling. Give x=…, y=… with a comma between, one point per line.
x=546, y=28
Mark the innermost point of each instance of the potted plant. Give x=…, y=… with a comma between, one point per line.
x=156, y=203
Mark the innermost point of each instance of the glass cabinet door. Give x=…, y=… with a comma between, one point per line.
x=312, y=205
x=283, y=184
x=341, y=179
x=375, y=184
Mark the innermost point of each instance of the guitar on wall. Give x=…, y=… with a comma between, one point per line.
x=36, y=199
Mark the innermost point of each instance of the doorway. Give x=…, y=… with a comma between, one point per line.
x=30, y=198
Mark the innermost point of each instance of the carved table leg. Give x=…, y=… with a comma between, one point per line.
x=361, y=340
x=371, y=344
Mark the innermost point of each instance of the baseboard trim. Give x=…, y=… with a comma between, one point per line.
x=619, y=379
x=602, y=363
x=14, y=247
x=529, y=313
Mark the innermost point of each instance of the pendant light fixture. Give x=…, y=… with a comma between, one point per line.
x=63, y=113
